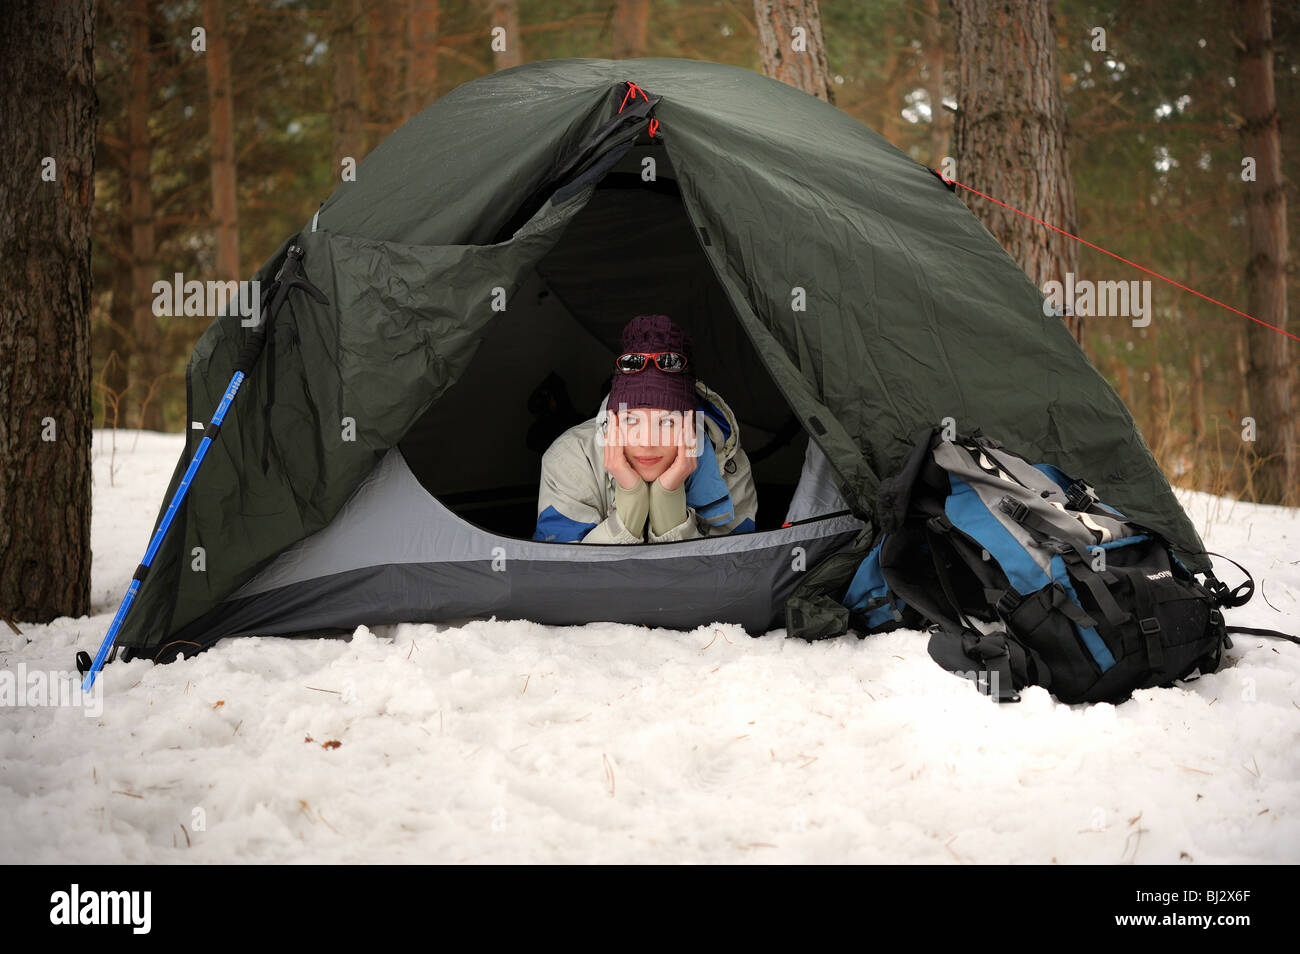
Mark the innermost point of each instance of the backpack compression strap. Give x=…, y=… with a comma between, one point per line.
x=1253, y=631
x=1239, y=596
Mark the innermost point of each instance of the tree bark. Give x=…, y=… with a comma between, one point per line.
x=221, y=127
x=48, y=110
x=505, y=13
x=1269, y=375
x=1010, y=135
x=346, y=55
x=146, y=364
x=791, y=45
x=631, y=18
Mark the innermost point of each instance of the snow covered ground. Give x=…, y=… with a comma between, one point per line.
x=513, y=742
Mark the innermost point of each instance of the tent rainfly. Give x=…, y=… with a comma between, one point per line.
x=382, y=460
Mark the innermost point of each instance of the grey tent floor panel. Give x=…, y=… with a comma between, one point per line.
x=392, y=520
x=747, y=586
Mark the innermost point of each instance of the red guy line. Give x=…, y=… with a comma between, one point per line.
x=1281, y=331
x=632, y=90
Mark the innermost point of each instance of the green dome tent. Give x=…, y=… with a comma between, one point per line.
x=842, y=300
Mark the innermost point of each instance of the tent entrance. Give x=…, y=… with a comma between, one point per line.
x=545, y=363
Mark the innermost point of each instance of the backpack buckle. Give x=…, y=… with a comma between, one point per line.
x=1079, y=496
x=1155, y=652
x=1008, y=603
x=1013, y=508
x=939, y=523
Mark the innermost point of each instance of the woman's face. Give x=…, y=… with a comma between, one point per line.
x=652, y=438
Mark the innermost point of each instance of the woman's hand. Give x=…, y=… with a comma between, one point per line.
x=683, y=464
x=616, y=462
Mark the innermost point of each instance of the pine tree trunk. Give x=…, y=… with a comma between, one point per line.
x=1122, y=384
x=422, y=46
x=1157, y=435
x=48, y=111
x=1242, y=408
x=933, y=40
x=791, y=46
x=146, y=364
x=379, y=75
x=398, y=27
x=116, y=378
x=345, y=52
x=1269, y=376
x=1243, y=375
x=505, y=13
x=221, y=126
x=1196, y=400
x=631, y=18
x=1010, y=135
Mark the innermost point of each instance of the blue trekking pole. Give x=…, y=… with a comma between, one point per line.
x=287, y=278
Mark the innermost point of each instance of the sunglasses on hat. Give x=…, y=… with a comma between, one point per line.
x=672, y=362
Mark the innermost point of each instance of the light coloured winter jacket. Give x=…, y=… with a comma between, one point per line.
x=576, y=500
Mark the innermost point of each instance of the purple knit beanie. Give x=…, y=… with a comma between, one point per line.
x=654, y=388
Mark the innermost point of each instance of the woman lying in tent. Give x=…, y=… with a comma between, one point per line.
x=660, y=461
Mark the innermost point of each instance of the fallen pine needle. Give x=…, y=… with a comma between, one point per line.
x=948, y=844
x=609, y=773
x=716, y=634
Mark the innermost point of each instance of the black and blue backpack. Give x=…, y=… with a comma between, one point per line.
x=1025, y=578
